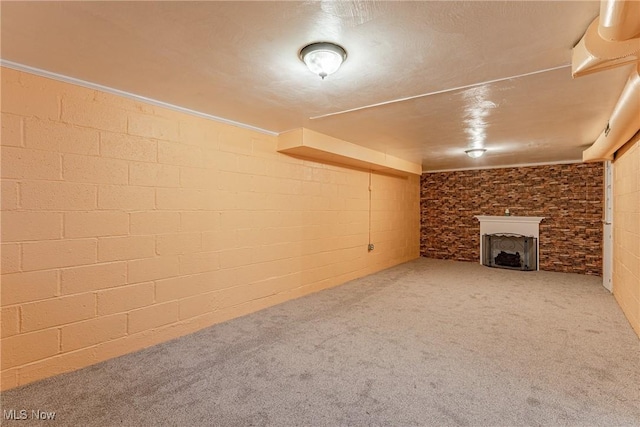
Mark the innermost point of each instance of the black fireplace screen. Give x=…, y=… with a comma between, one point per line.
x=512, y=251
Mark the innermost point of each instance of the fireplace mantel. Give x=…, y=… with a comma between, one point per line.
x=524, y=225
x=510, y=219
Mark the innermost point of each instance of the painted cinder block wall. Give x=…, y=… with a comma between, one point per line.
x=125, y=225
x=570, y=197
x=626, y=231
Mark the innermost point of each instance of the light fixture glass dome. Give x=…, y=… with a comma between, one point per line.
x=474, y=153
x=323, y=58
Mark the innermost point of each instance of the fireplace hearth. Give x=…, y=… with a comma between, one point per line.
x=513, y=251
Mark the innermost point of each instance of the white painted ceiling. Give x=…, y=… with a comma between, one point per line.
x=492, y=74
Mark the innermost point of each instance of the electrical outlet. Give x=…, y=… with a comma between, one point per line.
x=370, y=247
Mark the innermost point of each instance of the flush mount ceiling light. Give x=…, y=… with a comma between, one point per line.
x=323, y=58
x=474, y=153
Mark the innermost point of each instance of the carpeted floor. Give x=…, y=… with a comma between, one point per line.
x=428, y=342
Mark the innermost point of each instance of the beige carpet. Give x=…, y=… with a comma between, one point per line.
x=429, y=342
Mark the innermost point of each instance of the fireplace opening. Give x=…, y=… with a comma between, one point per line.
x=512, y=251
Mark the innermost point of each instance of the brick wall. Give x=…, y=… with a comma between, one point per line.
x=570, y=197
x=126, y=224
x=626, y=231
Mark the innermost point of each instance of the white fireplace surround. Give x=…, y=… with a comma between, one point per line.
x=523, y=225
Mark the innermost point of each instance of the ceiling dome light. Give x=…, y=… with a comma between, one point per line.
x=323, y=58
x=474, y=153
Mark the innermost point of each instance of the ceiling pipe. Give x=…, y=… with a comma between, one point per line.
x=593, y=53
x=619, y=20
x=611, y=40
x=623, y=124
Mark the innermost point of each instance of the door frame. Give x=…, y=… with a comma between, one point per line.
x=607, y=228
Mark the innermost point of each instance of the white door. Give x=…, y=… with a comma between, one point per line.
x=607, y=229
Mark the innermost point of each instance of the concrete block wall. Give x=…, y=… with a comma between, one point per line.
x=626, y=231
x=124, y=225
x=570, y=197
